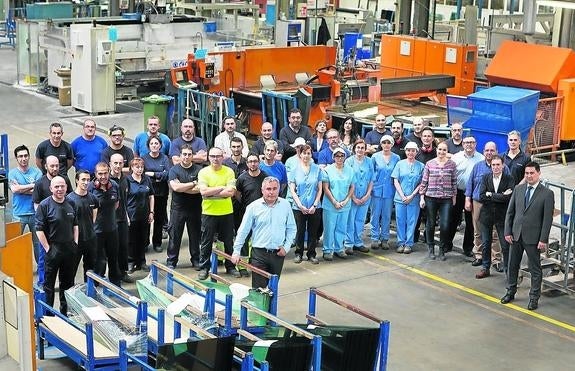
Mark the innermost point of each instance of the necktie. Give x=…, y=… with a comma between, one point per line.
x=528, y=195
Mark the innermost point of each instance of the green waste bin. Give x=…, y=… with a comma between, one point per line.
x=157, y=105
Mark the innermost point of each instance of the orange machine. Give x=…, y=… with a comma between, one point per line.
x=409, y=56
x=546, y=68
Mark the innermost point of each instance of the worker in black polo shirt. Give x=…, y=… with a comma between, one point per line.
x=106, y=227
x=86, y=206
x=57, y=231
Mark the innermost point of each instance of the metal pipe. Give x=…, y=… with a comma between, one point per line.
x=529, y=17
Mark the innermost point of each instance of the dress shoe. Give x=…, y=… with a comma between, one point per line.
x=375, y=245
x=297, y=259
x=476, y=262
x=484, y=273
x=498, y=267
x=313, y=260
x=533, y=304
x=203, y=274
x=340, y=254
x=507, y=298
x=328, y=257
x=441, y=256
x=196, y=265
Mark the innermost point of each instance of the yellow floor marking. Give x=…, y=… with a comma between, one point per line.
x=474, y=292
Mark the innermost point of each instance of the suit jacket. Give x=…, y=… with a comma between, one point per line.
x=495, y=206
x=532, y=224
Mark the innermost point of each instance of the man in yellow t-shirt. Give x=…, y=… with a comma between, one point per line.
x=217, y=187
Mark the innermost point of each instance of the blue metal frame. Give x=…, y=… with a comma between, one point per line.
x=315, y=339
x=285, y=101
x=210, y=114
x=88, y=361
x=384, y=326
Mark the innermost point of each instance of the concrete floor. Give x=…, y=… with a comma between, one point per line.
x=441, y=317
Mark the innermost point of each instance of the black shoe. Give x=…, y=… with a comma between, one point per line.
x=145, y=267
x=244, y=272
x=203, y=274
x=340, y=255
x=196, y=265
x=533, y=304
x=469, y=254
x=233, y=272
x=508, y=298
x=133, y=269
x=476, y=262
x=498, y=267
x=127, y=279
x=158, y=248
x=448, y=248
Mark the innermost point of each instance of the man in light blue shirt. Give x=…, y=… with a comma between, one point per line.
x=141, y=140
x=272, y=223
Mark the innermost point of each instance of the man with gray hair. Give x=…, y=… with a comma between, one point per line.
x=515, y=158
x=273, y=227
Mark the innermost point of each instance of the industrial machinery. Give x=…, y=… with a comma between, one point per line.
x=93, y=79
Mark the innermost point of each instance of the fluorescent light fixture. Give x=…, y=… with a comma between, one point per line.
x=557, y=4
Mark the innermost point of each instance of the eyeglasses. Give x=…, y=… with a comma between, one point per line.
x=468, y=142
x=386, y=142
x=340, y=155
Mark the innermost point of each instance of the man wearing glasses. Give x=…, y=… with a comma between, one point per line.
x=464, y=161
x=217, y=186
x=117, y=134
x=515, y=158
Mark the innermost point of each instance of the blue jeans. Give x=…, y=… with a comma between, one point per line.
x=29, y=220
x=334, y=229
x=405, y=220
x=356, y=222
x=380, y=218
x=443, y=206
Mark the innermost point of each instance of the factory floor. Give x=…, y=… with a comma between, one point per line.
x=442, y=318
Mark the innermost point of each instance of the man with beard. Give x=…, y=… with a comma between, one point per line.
x=399, y=141
x=188, y=130
x=455, y=143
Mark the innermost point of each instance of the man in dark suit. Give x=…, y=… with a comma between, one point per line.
x=527, y=226
x=494, y=193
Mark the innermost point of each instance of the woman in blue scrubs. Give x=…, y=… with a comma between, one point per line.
x=338, y=190
x=383, y=192
x=363, y=183
x=407, y=178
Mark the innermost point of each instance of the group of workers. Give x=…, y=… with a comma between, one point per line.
x=328, y=180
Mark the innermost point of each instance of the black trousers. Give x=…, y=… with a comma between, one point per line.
x=223, y=225
x=160, y=219
x=86, y=252
x=191, y=219
x=534, y=264
x=456, y=213
x=267, y=260
x=123, y=246
x=309, y=223
x=59, y=261
x=108, y=255
x=138, y=241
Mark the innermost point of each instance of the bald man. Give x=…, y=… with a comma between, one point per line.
x=188, y=136
x=258, y=148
